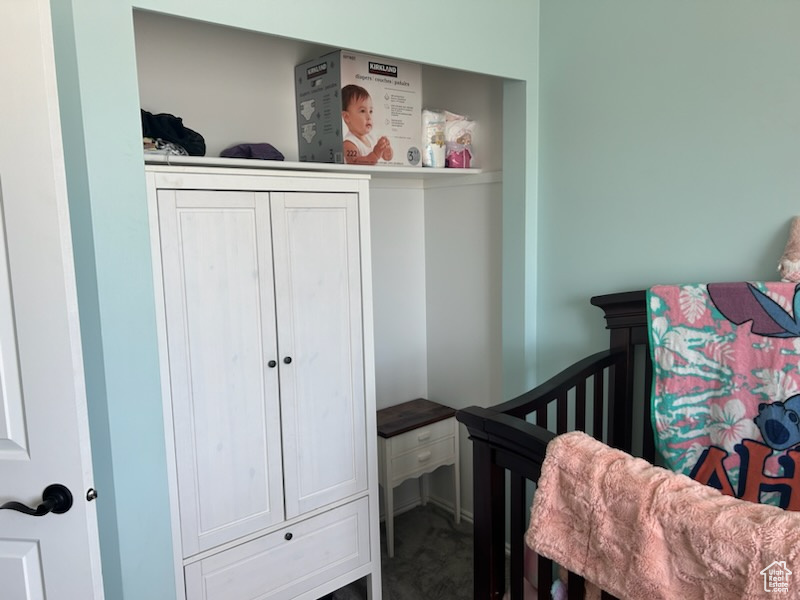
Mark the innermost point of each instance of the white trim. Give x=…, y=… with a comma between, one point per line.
x=442, y=181
x=329, y=168
x=61, y=199
x=368, y=356
x=480, y=178
x=166, y=393
x=448, y=506
x=169, y=175
x=252, y=179
x=386, y=183
x=440, y=502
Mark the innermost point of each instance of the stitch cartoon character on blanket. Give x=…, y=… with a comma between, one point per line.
x=726, y=387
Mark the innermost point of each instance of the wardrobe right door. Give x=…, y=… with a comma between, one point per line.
x=317, y=258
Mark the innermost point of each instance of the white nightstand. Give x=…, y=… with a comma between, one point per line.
x=415, y=438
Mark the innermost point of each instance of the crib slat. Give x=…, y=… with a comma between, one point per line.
x=545, y=578
x=597, y=428
x=649, y=444
x=561, y=413
x=621, y=412
x=489, y=530
x=576, y=588
x=580, y=406
x=541, y=417
x=517, y=542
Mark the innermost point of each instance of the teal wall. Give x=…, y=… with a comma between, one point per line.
x=99, y=102
x=669, y=152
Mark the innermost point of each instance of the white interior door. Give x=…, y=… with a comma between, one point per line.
x=43, y=422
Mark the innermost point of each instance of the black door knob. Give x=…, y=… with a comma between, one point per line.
x=56, y=498
x=287, y=360
x=287, y=537
x=272, y=364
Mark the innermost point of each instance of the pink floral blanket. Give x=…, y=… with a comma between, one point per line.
x=726, y=390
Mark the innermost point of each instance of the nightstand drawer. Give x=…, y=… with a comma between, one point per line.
x=408, y=441
x=424, y=458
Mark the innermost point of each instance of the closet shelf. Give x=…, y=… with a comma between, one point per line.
x=375, y=172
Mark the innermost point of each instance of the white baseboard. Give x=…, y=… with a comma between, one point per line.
x=440, y=502
x=448, y=506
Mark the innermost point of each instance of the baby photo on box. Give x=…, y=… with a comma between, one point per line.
x=359, y=109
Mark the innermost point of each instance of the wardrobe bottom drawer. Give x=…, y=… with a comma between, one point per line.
x=287, y=562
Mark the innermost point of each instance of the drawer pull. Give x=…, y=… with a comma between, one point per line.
x=287, y=537
x=423, y=456
x=424, y=436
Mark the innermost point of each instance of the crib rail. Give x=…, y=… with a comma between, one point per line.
x=577, y=378
x=506, y=442
x=594, y=395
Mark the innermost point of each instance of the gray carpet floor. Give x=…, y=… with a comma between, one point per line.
x=432, y=559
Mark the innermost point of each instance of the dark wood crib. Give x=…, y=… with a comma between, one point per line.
x=605, y=394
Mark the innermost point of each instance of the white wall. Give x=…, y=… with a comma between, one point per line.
x=479, y=97
x=398, y=291
x=231, y=86
x=463, y=257
x=437, y=267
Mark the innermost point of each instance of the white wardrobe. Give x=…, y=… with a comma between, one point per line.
x=264, y=297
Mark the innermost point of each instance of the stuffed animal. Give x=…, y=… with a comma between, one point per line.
x=789, y=265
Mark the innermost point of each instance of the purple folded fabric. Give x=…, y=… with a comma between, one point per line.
x=262, y=151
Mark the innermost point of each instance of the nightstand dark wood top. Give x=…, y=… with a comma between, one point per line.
x=409, y=415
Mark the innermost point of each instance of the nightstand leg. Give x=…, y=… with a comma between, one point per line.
x=423, y=489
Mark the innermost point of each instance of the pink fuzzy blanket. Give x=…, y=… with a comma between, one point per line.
x=639, y=531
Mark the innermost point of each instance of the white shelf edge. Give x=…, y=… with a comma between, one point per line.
x=479, y=178
x=376, y=171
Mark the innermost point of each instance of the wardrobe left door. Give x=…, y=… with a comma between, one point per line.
x=219, y=299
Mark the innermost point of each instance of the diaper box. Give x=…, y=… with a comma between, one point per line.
x=359, y=109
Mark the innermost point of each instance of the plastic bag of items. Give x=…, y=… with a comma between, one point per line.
x=458, y=135
x=433, y=145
